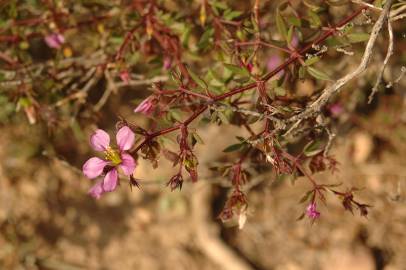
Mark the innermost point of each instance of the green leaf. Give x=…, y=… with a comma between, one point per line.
x=198, y=138
x=231, y=14
x=280, y=24
x=197, y=79
x=290, y=34
x=306, y=196
x=318, y=74
x=185, y=36
x=378, y=3
x=302, y=73
x=312, y=148
x=213, y=79
x=337, y=2
x=204, y=41
x=310, y=61
x=314, y=19
x=237, y=70
x=358, y=37
x=219, y=4
x=223, y=117
x=233, y=147
x=280, y=91
x=293, y=20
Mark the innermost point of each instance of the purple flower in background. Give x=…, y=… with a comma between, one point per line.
x=273, y=62
x=125, y=76
x=146, y=106
x=54, y=40
x=167, y=63
x=336, y=110
x=294, y=42
x=311, y=211
x=250, y=66
x=113, y=159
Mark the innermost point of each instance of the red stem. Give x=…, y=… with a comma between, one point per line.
x=253, y=85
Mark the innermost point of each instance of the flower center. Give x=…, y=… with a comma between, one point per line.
x=113, y=156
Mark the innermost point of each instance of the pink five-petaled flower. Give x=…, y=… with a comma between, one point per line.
x=113, y=159
x=146, y=106
x=54, y=40
x=312, y=212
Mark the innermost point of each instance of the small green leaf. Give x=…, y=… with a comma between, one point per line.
x=318, y=74
x=310, y=61
x=233, y=147
x=358, y=37
x=223, y=117
x=197, y=79
x=280, y=24
x=314, y=19
x=204, y=41
x=378, y=3
x=213, y=79
x=231, y=14
x=294, y=21
x=312, y=148
x=237, y=70
x=302, y=73
x=290, y=34
x=198, y=138
x=306, y=196
x=280, y=91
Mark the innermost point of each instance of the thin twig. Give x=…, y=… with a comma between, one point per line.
x=389, y=53
x=328, y=92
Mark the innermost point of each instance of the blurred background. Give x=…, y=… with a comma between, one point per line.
x=48, y=221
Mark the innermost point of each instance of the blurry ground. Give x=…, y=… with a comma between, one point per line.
x=47, y=221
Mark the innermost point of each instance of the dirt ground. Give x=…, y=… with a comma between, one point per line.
x=47, y=220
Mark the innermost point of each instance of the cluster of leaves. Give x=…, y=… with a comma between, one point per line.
x=211, y=55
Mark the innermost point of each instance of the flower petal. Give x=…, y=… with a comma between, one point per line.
x=273, y=62
x=100, y=140
x=97, y=190
x=93, y=167
x=54, y=40
x=110, y=180
x=128, y=164
x=125, y=138
x=145, y=107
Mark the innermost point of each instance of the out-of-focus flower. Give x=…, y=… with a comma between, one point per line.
x=146, y=106
x=54, y=40
x=125, y=76
x=336, y=110
x=250, y=66
x=167, y=63
x=175, y=182
x=312, y=212
x=294, y=42
x=273, y=62
x=113, y=159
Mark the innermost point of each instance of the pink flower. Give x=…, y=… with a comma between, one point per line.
x=250, y=66
x=273, y=62
x=294, y=42
x=336, y=110
x=146, y=106
x=54, y=40
x=113, y=159
x=167, y=63
x=125, y=76
x=311, y=211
